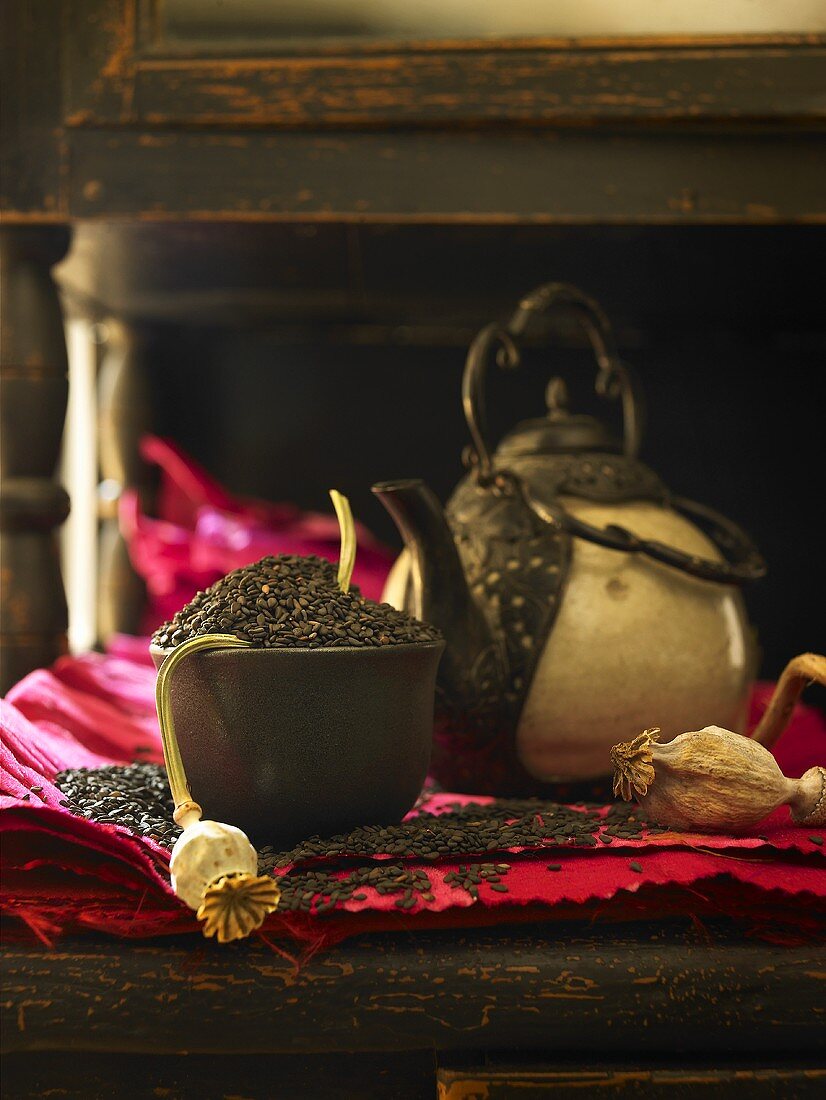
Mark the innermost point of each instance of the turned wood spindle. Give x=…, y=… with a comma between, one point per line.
x=33, y=395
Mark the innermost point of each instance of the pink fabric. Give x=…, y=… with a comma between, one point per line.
x=201, y=532
x=62, y=872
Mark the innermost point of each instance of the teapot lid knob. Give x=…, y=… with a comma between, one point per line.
x=559, y=431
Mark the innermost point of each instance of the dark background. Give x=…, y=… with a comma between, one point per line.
x=337, y=355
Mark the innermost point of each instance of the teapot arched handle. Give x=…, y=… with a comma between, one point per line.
x=614, y=378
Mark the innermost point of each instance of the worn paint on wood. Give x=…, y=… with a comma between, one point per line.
x=33, y=394
x=543, y=988
x=571, y=86
x=494, y=1083
x=382, y=1076
x=459, y=176
x=123, y=71
x=147, y=127
x=59, y=1076
x=32, y=153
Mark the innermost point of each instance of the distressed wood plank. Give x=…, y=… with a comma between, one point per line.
x=59, y=1076
x=123, y=71
x=379, y=283
x=640, y=990
x=100, y=48
x=33, y=394
x=756, y=1083
x=390, y=1076
x=491, y=85
x=31, y=151
x=671, y=176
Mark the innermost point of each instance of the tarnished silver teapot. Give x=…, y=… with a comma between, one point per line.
x=581, y=601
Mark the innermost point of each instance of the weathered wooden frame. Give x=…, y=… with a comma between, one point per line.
x=116, y=123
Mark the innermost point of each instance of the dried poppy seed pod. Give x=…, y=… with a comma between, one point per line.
x=213, y=865
x=213, y=868
x=712, y=780
x=204, y=852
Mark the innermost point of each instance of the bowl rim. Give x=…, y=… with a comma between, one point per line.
x=238, y=650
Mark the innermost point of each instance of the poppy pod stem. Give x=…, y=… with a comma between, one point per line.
x=347, y=528
x=801, y=671
x=213, y=865
x=178, y=783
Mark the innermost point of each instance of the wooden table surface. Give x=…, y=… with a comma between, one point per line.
x=636, y=1009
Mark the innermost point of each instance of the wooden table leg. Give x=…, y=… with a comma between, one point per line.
x=33, y=394
x=123, y=416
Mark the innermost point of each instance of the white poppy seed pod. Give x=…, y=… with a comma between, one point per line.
x=205, y=852
x=213, y=869
x=213, y=865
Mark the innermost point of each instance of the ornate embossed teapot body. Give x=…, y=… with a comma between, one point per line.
x=580, y=600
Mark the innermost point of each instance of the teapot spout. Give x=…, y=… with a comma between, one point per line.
x=440, y=593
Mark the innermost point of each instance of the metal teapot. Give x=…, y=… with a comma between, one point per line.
x=581, y=601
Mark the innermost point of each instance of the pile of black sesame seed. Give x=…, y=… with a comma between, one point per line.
x=475, y=829
x=319, y=891
x=295, y=603
x=321, y=873
x=134, y=795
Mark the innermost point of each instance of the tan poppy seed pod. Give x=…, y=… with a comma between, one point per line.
x=713, y=780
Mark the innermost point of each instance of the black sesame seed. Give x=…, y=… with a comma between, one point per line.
x=301, y=607
x=138, y=796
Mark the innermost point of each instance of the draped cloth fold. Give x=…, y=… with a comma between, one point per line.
x=63, y=873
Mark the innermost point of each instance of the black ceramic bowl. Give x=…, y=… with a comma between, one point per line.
x=285, y=743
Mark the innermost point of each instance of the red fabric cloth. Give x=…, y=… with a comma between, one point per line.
x=64, y=873
x=201, y=532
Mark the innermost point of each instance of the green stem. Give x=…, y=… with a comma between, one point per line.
x=178, y=783
x=347, y=527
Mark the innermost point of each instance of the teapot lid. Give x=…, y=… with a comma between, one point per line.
x=559, y=431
